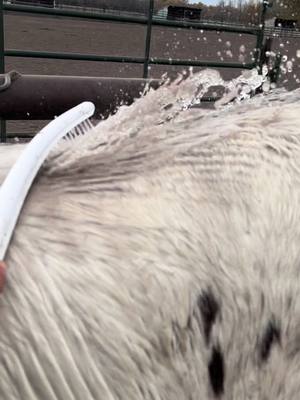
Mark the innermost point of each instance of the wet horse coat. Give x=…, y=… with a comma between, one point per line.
x=160, y=260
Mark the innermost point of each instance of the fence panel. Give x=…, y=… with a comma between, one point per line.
x=148, y=21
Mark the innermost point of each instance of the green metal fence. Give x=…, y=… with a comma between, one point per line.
x=148, y=21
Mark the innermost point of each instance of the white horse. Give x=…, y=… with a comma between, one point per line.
x=160, y=260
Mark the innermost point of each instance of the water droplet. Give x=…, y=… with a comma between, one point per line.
x=289, y=66
x=273, y=85
x=283, y=69
x=266, y=87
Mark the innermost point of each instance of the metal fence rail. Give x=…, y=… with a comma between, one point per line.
x=282, y=32
x=148, y=21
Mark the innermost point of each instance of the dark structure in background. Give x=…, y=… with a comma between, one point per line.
x=285, y=23
x=180, y=13
x=42, y=3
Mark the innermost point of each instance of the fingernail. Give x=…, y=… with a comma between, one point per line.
x=2, y=275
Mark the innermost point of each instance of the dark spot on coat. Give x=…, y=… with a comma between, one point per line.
x=262, y=301
x=270, y=337
x=209, y=309
x=216, y=371
x=189, y=323
x=168, y=106
x=272, y=149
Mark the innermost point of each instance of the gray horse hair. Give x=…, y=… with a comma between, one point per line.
x=157, y=257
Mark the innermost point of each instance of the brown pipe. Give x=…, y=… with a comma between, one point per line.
x=44, y=97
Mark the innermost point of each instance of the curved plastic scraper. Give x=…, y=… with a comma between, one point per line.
x=19, y=179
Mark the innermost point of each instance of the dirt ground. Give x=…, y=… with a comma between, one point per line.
x=45, y=33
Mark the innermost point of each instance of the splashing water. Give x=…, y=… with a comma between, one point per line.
x=173, y=103
x=173, y=98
